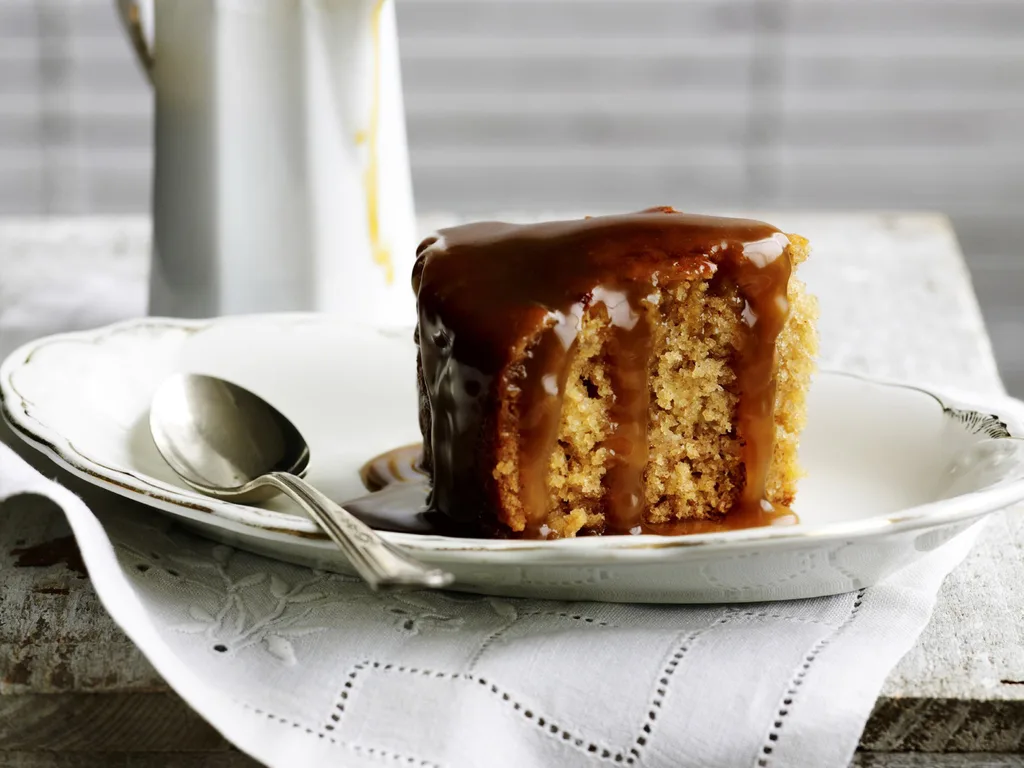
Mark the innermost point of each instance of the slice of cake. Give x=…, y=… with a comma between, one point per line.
x=612, y=375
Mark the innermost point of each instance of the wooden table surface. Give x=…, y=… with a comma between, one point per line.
x=897, y=302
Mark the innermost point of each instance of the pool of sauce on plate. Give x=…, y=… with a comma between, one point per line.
x=398, y=502
x=534, y=282
x=399, y=465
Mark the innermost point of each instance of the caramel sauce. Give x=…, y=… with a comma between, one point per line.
x=500, y=309
x=371, y=175
x=399, y=465
x=398, y=500
x=741, y=517
x=628, y=354
x=400, y=487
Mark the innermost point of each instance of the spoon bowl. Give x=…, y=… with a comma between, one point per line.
x=219, y=437
x=229, y=443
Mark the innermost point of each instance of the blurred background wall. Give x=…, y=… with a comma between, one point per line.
x=539, y=105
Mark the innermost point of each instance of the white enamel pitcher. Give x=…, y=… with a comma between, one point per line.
x=281, y=177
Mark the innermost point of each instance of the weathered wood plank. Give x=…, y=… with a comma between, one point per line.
x=973, y=648
x=237, y=760
x=101, y=722
x=931, y=760
x=133, y=760
x=54, y=634
x=944, y=726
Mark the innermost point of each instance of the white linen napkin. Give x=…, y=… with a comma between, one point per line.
x=305, y=668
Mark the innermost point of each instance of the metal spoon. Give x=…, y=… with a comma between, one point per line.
x=228, y=443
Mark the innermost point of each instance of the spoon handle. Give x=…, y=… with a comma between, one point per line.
x=379, y=563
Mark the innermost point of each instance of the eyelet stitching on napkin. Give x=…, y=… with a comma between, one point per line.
x=663, y=683
x=493, y=636
x=601, y=751
x=573, y=616
x=783, y=617
x=372, y=751
x=798, y=680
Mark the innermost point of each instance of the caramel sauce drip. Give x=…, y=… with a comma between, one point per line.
x=628, y=354
x=500, y=310
x=546, y=375
x=761, y=273
x=371, y=174
x=546, y=371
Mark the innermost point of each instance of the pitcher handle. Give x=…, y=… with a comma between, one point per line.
x=131, y=17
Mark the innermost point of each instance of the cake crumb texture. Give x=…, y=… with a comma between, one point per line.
x=695, y=458
x=795, y=352
x=578, y=463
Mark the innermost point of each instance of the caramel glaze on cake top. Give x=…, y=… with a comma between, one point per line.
x=500, y=306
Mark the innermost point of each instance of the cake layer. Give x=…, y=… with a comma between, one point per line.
x=609, y=375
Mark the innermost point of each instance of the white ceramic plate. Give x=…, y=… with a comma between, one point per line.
x=892, y=471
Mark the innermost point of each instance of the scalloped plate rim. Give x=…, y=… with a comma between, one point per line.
x=254, y=520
